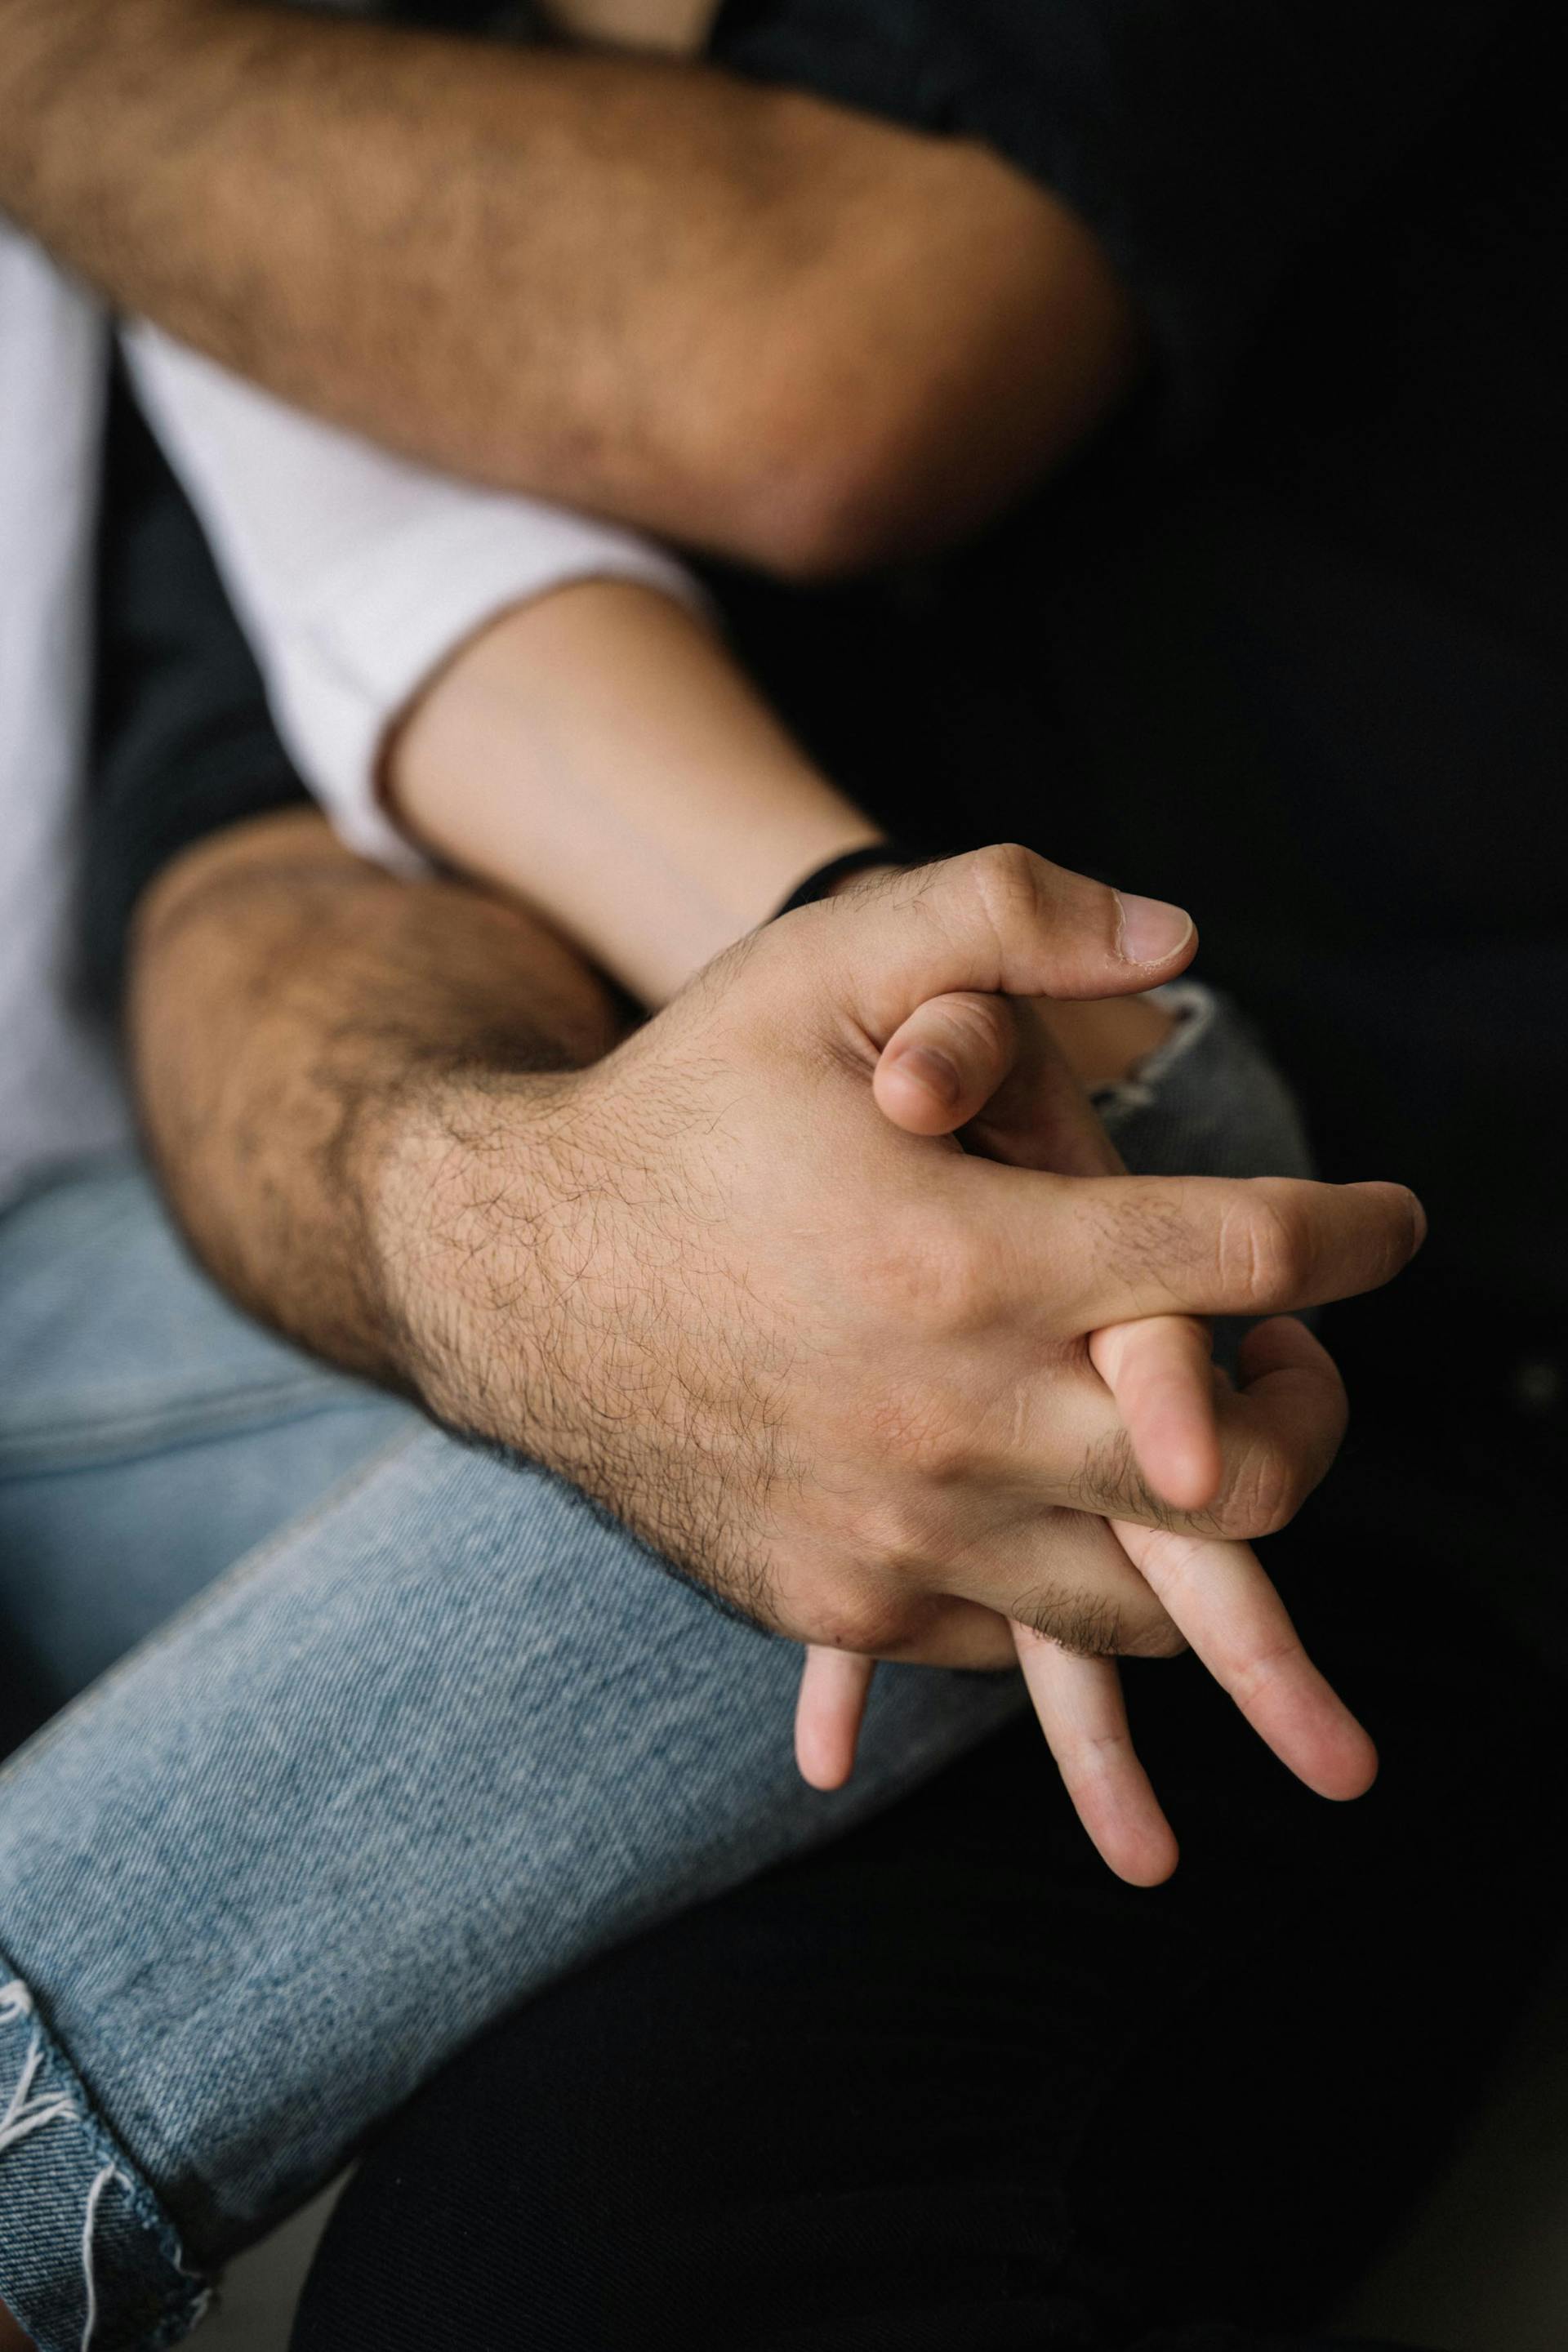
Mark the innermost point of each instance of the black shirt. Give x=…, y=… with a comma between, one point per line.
x=1286, y=642
x=1290, y=643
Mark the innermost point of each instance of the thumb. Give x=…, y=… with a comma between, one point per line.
x=999, y=921
x=941, y=1067
x=988, y=1065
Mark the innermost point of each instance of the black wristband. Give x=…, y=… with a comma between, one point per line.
x=824, y=878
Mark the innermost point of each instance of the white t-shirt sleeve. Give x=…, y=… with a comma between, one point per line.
x=357, y=573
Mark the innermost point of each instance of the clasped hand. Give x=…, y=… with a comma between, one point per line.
x=987, y=1069
x=906, y=1377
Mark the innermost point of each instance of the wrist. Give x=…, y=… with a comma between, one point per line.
x=465, y=1189
x=871, y=853
x=597, y=751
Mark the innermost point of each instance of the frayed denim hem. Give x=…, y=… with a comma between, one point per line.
x=88, y=2261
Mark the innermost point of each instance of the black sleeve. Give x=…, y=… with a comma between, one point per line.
x=1207, y=143
x=183, y=742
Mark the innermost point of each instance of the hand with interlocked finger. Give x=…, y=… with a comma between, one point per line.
x=839, y=1365
x=985, y=1068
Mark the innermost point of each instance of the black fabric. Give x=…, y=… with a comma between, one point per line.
x=823, y=879
x=1208, y=144
x=22, y=1708
x=1312, y=676
x=1303, y=665
x=1303, y=668
x=948, y=2085
x=183, y=745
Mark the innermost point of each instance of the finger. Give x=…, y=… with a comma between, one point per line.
x=999, y=920
x=1040, y=1116
x=1083, y=1715
x=1069, y=1580
x=1278, y=1436
x=1161, y=1373
x=989, y=1065
x=941, y=1067
x=906, y=1622
x=829, y=1709
x=1143, y=1246
x=1225, y=1604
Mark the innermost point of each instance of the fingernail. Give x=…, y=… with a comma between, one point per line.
x=933, y=1069
x=1152, y=930
x=1418, y=1218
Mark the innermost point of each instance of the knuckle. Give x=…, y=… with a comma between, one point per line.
x=973, y=1028
x=929, y=1274
x=922, y=1433
x=1266, y=1250
x=871, y=1624
x=895, y=1528
x=1264, y=1667
x=1006, y=866
x=1264, y=1493
x=1006, y=877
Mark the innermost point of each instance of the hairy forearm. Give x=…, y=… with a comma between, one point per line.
x=288, y=1008
x=736, y=316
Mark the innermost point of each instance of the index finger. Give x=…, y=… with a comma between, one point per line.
x=997, y=921
x=1161, y=1373
x=1079, y=1706
x=1113, y=1249
x=1219, y=1595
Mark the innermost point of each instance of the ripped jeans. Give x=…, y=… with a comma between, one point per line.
x=364, y=1737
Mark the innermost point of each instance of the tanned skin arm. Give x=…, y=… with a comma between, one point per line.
x=286, y=999
x=735, y=316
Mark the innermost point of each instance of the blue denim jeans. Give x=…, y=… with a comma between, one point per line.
x=364, y=1737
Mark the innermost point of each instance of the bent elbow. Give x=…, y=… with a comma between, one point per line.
x=836, y=500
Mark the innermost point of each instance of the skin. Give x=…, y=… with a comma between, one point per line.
x=597, y=754
x=382, y=1154
x=397, y=1121
x=736, y=316
x=742, y=319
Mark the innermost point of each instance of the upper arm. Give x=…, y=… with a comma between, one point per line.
x=949, y=331
x=1103, y=185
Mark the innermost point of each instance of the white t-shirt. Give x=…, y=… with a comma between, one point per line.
x=356, y=575
x=58, y=1092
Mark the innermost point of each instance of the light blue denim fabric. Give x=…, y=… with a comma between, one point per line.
x=438, y=1736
